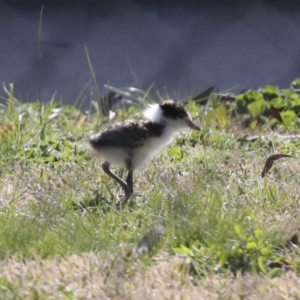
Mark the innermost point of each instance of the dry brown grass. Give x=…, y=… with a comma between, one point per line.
x=101, y=276
x=44, y=240
x=94, y=276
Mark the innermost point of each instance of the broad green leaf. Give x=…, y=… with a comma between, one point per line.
x=251, y=246
x=296, y=83
x=270, y=92
x=175, y=152
x=240, y=101
x=256, y=108
x=221, y=114
x=295, y=103
x=289, y=117
x=253, y=96
x=280, y=103
x=259, y=232
x=239, y=231
x=287, y=92
x=265, y=251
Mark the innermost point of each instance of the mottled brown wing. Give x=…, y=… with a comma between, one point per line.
x=129, y=134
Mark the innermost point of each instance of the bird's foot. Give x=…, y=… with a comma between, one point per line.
x=127, y=198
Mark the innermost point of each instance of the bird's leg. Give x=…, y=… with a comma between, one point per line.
x=129, y=181
x=122, y=183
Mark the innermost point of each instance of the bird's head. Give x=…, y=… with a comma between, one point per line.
x=171, y=113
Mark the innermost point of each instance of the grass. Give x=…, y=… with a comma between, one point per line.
x=229, y=234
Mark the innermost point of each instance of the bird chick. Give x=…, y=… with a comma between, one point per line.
x=132, y=143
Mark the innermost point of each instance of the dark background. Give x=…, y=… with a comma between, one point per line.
x=182, y=47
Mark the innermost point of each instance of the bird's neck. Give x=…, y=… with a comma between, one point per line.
x=154, y=113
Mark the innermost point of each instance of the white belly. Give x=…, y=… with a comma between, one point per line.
x=152, y=147
x=138, y=156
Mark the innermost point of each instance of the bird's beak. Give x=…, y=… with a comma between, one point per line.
x=192, y=125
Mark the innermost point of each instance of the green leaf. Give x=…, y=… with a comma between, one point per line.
x=223, y=258
x=276, y=272
x=253, y=96
x=295, y=103
x=296, y=83
x=240, y=102
x=281, y=104
x=176, y=153
x=270, y=92
x=239, y=231
x=257, y=108
x=258, y=232
x=287, y=92
x=261, y=264
x=253, y=124
x=183, y=250
x=266, y=251
x=251, y=246
x=289, y=117
x=221, y=114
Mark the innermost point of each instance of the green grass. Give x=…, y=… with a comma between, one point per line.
x=222, y=219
